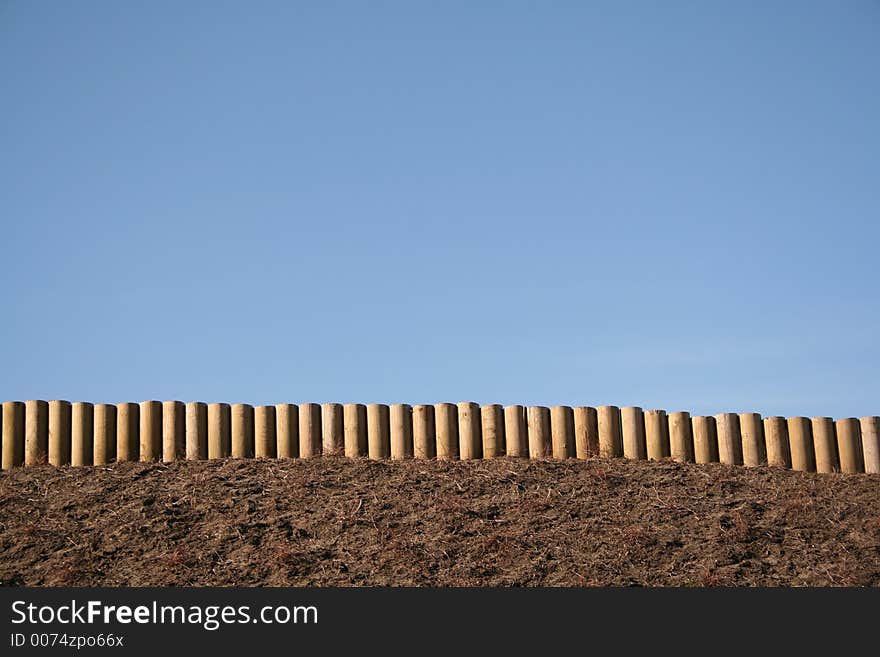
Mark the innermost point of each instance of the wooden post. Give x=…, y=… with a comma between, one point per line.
x=287, y=430
x=632, y=424
x=173, y=431
x=705, y=439
x=516, y=432
x=610, y=439
x=776, y=437
x=825, y=444
x=82, y=433
x=657, y=435
x=355, y=427
x=870, y=429
x=681, y=437
x=849, y=445
x=59, y=432
x=196, y=431
x=446, y=420
x=586, y=432
x=729, y=439
x=470, y=440
x=13, y=434
x=562, y=432
x=401, y=432
x=104, y=444
x=332, y=433
x=424, y=432
x=752, y=429
x=492, y=416
x=219, y=431
x=378, y=431
x=800, y=443
x=309, y=430
x=539, y=432
x=128, y=441
x=265, y=439
x=151, y=430
x=242, y=431
x=36, y=432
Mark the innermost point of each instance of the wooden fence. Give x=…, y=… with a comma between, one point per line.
x=80, y=433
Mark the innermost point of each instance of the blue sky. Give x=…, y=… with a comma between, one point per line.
x=673, y=205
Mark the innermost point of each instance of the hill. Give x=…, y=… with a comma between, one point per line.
x=342, y=522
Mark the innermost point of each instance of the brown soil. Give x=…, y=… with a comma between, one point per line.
x=334, y=521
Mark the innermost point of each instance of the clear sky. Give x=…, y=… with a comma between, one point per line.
x=673, y=205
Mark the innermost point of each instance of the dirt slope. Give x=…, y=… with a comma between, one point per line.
x=334, y=521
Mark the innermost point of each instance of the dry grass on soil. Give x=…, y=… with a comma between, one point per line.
x=340, y=522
